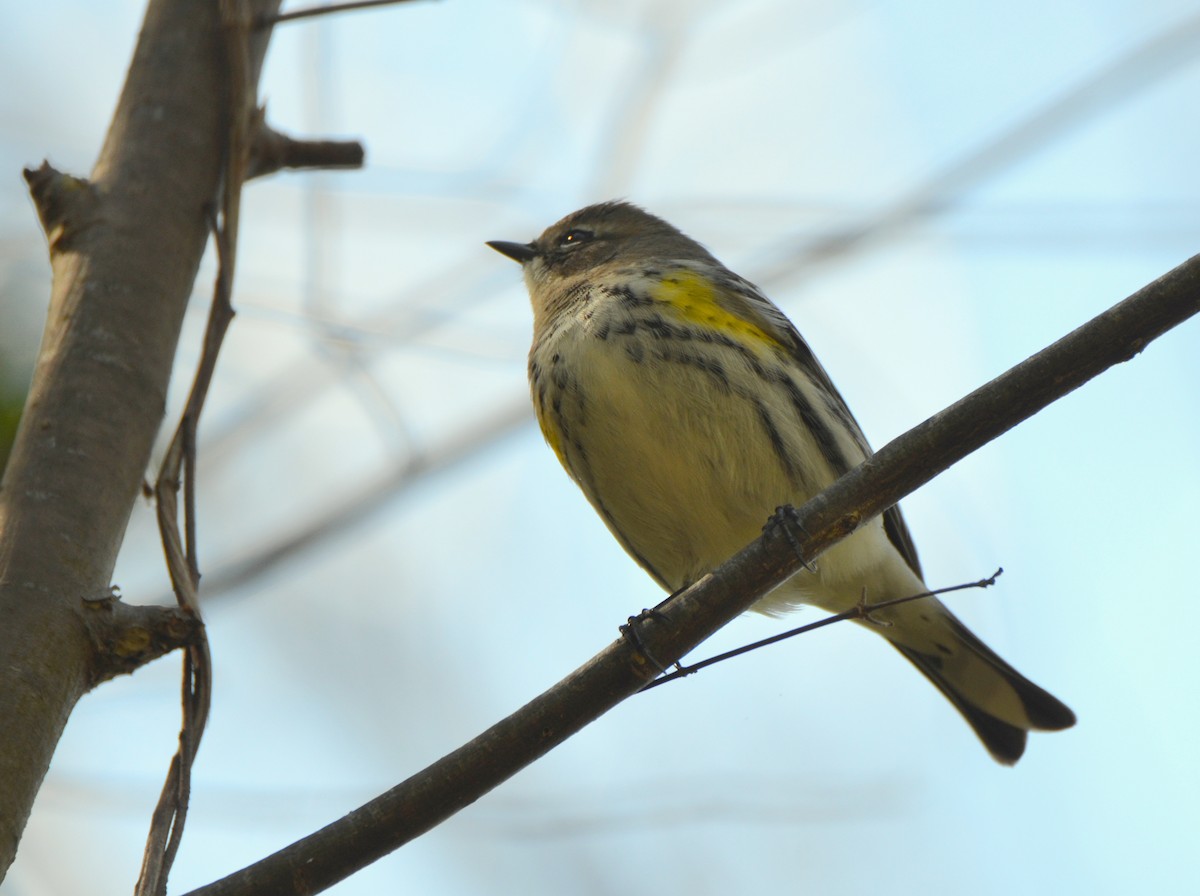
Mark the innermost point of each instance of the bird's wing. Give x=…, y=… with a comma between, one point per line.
x=745, y=300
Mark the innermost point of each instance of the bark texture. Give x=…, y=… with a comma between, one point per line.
x=125, y=246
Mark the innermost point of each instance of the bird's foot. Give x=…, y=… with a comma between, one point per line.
x=630, y=631
x=787, y=520
x=863, y=611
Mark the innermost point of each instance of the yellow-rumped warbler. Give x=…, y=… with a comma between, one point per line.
x=687, y=408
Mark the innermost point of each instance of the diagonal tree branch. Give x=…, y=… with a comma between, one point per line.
x=431, y=796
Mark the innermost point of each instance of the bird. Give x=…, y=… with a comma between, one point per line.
x=687, y=407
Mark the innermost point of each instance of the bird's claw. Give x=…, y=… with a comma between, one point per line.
x=785, y=518
x=630, y=632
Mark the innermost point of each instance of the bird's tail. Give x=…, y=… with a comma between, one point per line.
x=995, y=699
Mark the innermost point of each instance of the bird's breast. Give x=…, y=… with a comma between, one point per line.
x=682, y=443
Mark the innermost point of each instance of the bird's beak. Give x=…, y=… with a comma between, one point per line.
x=521, y=252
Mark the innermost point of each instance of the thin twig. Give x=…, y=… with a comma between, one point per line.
x=859, y=612
x=170, y=815
x=309, y=12
x=187, y=427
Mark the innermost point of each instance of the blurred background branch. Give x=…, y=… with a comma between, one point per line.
x=378, y=342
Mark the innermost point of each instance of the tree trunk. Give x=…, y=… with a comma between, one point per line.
x=124, y=247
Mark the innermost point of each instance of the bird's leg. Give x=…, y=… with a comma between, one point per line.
x=863, y=611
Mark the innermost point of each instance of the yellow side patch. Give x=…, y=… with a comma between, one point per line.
x=694, y=299
x=551, y=433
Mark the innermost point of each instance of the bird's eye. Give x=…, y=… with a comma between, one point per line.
x=575, y=237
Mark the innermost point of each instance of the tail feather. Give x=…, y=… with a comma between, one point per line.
x=999, y=703
x=1005, y=742
x=1045, y=711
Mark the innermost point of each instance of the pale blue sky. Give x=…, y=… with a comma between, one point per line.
x=1013, y=170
